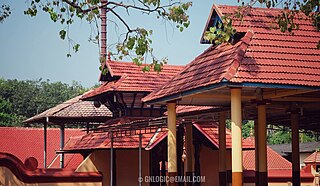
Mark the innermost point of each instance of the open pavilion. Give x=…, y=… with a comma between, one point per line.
x=266, y=75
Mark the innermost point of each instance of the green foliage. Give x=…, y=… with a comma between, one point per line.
x=222, y=33
x=137, y=41
x=282, y=135
x=5, y=12
x=23, y=99
x=279, y=137
x=247, y=127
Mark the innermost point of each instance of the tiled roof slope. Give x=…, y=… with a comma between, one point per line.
x=313, y=158
x=211, y=131
x=27, y=142
x=132, y=78
x=275, y=160
x=263, y=55
x=102, y=140
x=73, y=108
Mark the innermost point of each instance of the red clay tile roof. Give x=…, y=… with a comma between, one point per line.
x=75, y=110
x=275, y=160
x=27, y=142
x=133, y=79
x=211, y=131
x=261, y=56
x=102, y=141
x=313, y=158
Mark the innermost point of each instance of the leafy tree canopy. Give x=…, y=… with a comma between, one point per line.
x=135, y=43
x=23, y=99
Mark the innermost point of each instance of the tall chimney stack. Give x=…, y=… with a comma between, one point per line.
x=103, y=37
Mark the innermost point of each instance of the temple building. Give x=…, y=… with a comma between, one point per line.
x=172, y=124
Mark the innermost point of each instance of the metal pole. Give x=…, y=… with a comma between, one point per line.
x=45, y=143
x=140, y=160
x=88, y=127
x=61, y=145
x=111, y=161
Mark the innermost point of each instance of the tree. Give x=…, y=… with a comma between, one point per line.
x=22, y=99
x=135, y=43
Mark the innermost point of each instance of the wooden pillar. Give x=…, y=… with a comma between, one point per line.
x=113, y=175
x=61, y=145
x=189, y=153
x=197, y=166
x=295, y=149
x=163, y=171
x=236, y=135
x=222, y=150
x=172, y=147
x=262, y=143
x=154, y=165
x=180, y=166
x=256, y=151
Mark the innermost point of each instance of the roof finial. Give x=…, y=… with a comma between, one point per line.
x=251, y=132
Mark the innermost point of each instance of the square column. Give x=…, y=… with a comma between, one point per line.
x=236, y=135
x=262, y=143
x=189, y=152
x=222, y=150
x=172, y=137
x=295, y=149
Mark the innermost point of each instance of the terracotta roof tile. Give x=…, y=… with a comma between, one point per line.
x=73, y=109
x=211, y=131
x=313, y=158
x=31, y=139
x=263, y=55
x=132, y=78
x=275, y=160
x=103, y=141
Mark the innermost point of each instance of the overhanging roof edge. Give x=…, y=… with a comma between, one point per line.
x=228, y=84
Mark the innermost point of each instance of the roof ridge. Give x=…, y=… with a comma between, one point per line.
x=240, y=50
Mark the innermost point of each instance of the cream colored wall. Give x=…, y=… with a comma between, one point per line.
x=99, y=160
x=127, y=165
x=303, y=156
x=7, y=178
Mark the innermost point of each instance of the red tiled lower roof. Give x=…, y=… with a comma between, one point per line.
x=93, y=141
x=28, y=142
x=275, y=160
x=313, y=158
x=132, y=78
x=263, y=55
x=211, y=131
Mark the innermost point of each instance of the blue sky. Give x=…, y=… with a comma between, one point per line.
x=31, y=47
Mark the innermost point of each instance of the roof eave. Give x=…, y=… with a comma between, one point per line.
x=179, y=96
